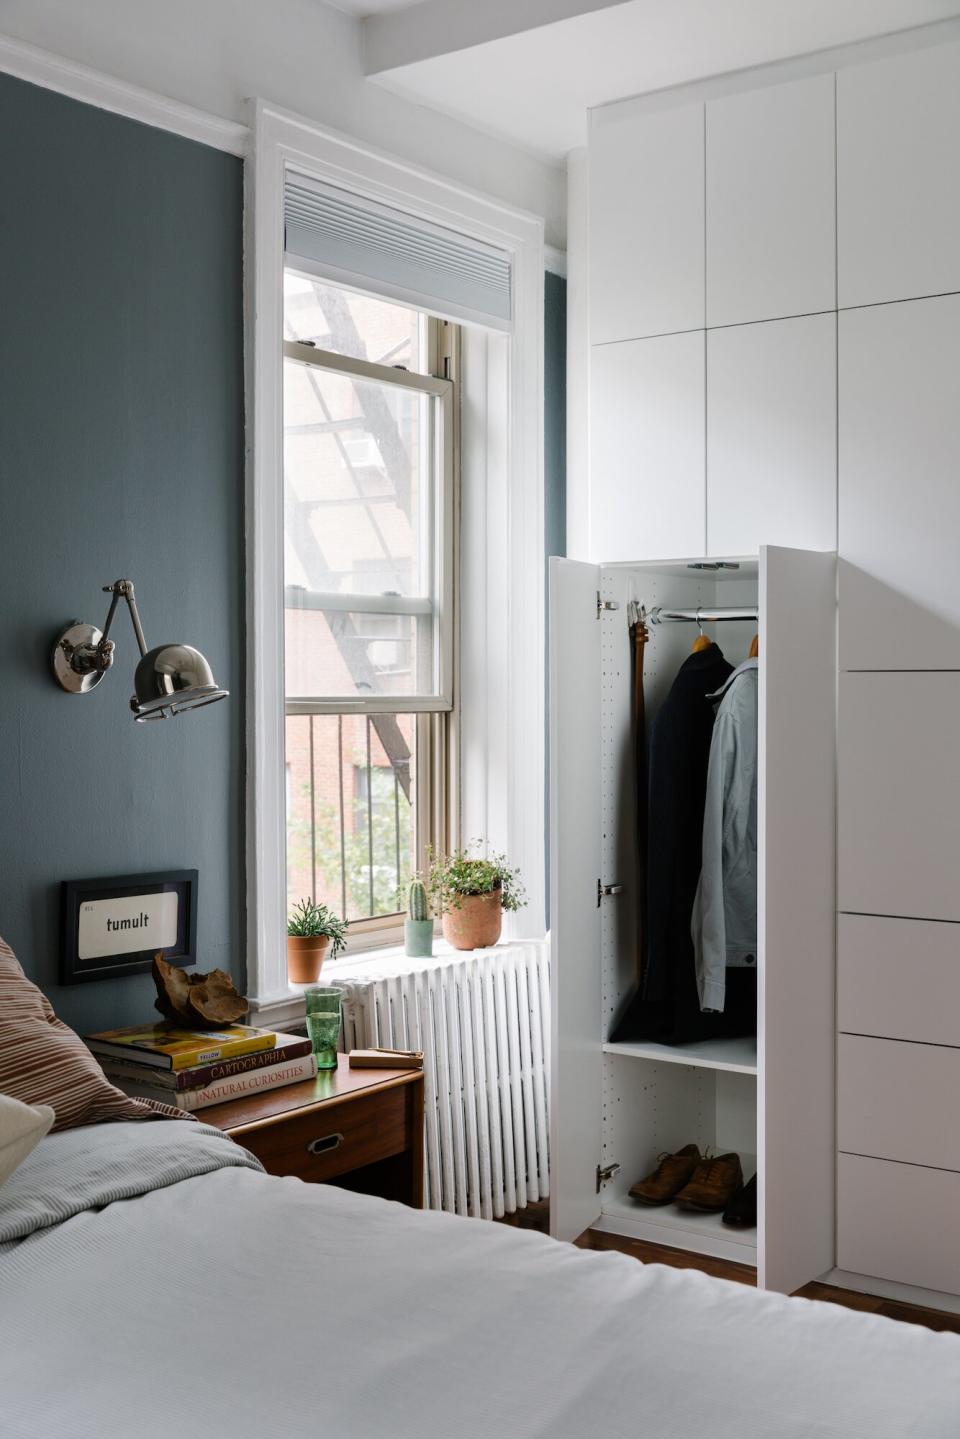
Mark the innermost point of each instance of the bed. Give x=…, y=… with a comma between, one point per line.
x=155, y=1282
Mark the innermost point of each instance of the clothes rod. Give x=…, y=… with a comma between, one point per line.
x=662, y=616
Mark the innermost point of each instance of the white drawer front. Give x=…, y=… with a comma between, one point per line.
x=896, y=1221
x=899, y=978
x=899, y=1101
x=899, y=795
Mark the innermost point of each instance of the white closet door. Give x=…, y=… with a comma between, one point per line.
x=771, y=222
x=646, y=224
x=797, y=919
x=898, y=177
x=899, y=490
x=647, y=452
x=576, y=1059
x=899, y=794
x=772, y=436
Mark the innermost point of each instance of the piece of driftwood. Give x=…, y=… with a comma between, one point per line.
x=196, y=1001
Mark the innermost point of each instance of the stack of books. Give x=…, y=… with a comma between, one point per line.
x=195, y=1068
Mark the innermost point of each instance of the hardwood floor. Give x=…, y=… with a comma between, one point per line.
x=743, y=1274
x=536, y=1216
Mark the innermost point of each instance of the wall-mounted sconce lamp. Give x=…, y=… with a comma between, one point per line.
x=168, y=679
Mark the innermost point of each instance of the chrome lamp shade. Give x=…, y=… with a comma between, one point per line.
x=168, y=680
x=171, y=679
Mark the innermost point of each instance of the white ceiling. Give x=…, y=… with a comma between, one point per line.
x=370, y=7
x=535, y=87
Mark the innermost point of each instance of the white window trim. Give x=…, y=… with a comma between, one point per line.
x=502, y=602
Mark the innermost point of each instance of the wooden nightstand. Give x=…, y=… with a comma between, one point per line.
x=359, y=1128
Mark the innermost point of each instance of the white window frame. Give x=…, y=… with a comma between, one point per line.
x=436, y=796
x=439, y=605
x=501, y=653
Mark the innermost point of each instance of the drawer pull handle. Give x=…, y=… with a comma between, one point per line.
x=325, y=1145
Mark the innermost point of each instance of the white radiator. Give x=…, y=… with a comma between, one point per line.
x=483, y=1022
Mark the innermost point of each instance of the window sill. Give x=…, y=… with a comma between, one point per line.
x=281, y=1011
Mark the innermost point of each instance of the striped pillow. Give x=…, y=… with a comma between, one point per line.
x=42, y=1061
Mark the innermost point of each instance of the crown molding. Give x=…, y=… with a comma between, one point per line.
x=555, y=260
x=79, y=82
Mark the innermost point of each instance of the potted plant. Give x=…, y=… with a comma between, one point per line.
x=312, y=929
x=470, y=893
x=418, y=925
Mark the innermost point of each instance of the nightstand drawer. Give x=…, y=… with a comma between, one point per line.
x=333, y=1139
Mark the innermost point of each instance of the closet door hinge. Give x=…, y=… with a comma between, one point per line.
x=604, y=891
x=605, y=1172
x=603, y=604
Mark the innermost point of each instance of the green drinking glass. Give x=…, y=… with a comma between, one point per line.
x=323, y=1024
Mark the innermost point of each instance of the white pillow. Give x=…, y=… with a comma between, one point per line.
x=22, y=1126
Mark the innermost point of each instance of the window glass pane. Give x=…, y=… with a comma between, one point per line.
x=349, y=324
x=358, y=489
x=351, y=822
x=335, y=654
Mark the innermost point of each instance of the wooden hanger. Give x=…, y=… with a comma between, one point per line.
x=702, y=642
x=755, y=647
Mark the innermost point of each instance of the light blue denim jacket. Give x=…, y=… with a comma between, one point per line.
x=724, y=923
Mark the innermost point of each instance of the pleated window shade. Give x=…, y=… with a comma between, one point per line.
x=397, y=254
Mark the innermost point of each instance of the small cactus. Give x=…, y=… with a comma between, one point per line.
x=417, y=906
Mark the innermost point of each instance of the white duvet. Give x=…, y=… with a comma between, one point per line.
x=228, y=1303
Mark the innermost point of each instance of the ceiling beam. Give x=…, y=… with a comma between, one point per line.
x=441, y=27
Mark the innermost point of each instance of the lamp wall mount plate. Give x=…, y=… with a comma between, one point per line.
x=169, y=679
x=76, y=658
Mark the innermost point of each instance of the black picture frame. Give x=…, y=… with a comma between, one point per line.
x=75, y=892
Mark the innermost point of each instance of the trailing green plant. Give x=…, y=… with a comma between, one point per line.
x=453, y=877
x=418, y=905
x=315, y=921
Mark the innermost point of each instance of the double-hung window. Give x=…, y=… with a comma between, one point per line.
x=369, y=597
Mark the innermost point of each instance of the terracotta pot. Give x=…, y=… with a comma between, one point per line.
x=477, y=924
x=305, y=956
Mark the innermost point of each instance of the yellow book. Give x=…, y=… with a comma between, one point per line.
x=165, y=1047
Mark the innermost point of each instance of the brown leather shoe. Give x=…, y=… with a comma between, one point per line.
x=669, y=1177
x=714, y=1183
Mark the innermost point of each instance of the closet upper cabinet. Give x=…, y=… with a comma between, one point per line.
x=899, y=490
x=646, y=223
x=771, y=436
x=898, y=177
x=647, y=448
x=771, y=203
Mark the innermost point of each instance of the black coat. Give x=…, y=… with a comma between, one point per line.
x=667, y=1005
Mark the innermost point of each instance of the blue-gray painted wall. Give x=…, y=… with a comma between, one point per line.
x=554, y=473
x=121, y=454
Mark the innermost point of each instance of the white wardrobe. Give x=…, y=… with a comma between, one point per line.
x=617, y=1105
x=773, y=294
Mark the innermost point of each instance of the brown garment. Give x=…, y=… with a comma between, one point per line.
x=639, y=636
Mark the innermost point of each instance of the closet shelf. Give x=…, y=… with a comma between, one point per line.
x=736, y=1056
x=679, y=1228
